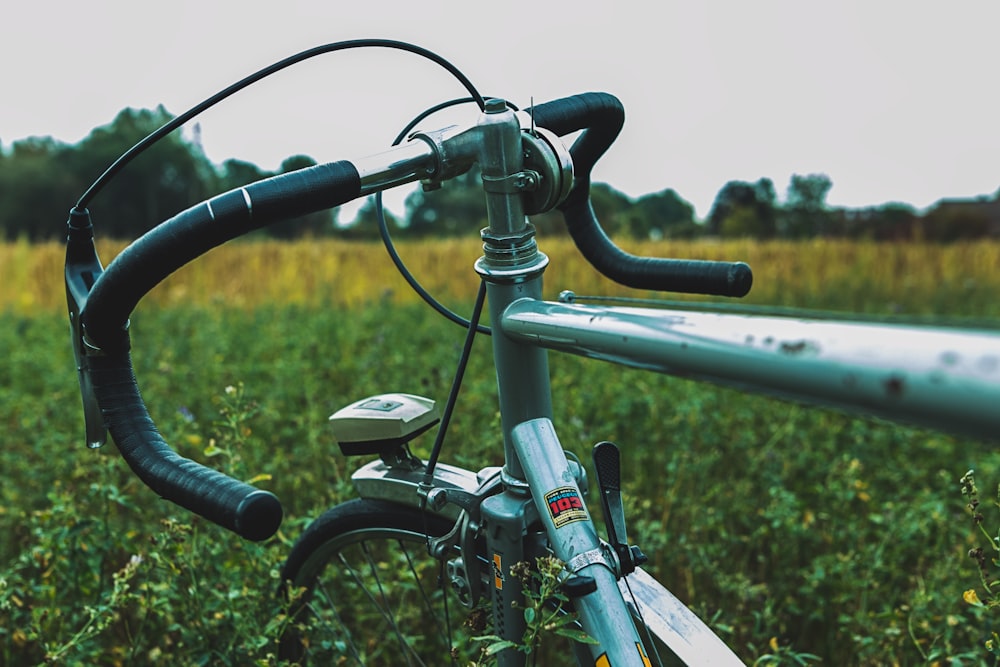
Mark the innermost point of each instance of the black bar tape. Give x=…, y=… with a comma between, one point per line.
x=689, y=276
x=247, y=511
x=195, y=231
x=601, y=117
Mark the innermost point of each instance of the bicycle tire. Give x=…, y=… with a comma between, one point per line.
x=318, y=630
x=355, y=553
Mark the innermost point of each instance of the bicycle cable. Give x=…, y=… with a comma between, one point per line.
x=125, y=158
x=760, y=310
x=383, y=226
x=456, y=385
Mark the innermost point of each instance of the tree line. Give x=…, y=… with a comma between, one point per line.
x=41, y=178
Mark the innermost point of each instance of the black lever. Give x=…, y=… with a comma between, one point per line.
x=607, y=463
x=82, y=269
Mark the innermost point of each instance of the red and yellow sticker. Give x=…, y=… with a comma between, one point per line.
x=565, y=506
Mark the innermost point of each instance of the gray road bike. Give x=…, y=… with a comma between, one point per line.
x=390, y=577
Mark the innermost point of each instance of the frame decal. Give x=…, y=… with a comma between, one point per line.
x=498, y=571
x=565, y=506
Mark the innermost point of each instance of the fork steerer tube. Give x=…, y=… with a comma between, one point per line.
x=522, y=372
x=512, y=268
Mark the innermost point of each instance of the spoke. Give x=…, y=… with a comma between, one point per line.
x=382, y=604
x=338, y=623
x=375, y=596
x=428, y=603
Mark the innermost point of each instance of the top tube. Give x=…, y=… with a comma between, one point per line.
x=946, y=379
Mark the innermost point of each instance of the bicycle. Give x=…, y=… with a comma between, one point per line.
x=461, y=534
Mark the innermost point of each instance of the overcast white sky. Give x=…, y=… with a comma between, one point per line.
x=895, y=101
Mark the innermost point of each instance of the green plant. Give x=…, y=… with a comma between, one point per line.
x=783, y=655
x=99, y=585
x=838, y=536
x=545, y=611
x=987, y=560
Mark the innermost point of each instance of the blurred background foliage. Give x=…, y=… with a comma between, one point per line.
x=40, y=178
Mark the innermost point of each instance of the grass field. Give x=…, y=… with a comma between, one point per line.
x=794, y=531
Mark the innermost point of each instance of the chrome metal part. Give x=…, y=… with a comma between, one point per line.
x=456, y=149
x=458, y=577
x=412, y=161
x=522, y=371
x=519, y=183
x=941, y=378
x=500, y=156
x=602, y=555
x=378, y=481
x=438, y=497
x=510, y=263
x=546, y=156
x=674, y=624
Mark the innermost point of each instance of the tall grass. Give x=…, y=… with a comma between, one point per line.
x=794, y=531
x=961, y=278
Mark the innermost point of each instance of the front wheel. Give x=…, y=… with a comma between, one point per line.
x=362, y=588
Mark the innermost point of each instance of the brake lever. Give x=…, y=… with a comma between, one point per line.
x=82, y=270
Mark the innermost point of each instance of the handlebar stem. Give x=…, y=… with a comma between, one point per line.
x=510, y=253
x=501, y=161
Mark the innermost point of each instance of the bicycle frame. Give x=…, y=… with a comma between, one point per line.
x=948, y=379
x=936, y=377
x=941, y=378
x=535, y=467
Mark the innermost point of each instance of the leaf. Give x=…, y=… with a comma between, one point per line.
x=576, y=635
x=262, y=477
x=529, y=615
x=496, y=647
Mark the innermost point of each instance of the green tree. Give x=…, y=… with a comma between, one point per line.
x=661, y=214
x=806, y=213
x=889, y=222
x=744, y=221
x=36, y=188
x=954, y=220
x=611, y=208
x=456, y=208
x=236, y=173
x=170, y=176
x=365, y=223
x=745, y=199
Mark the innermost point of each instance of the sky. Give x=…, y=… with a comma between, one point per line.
x=894, y=101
